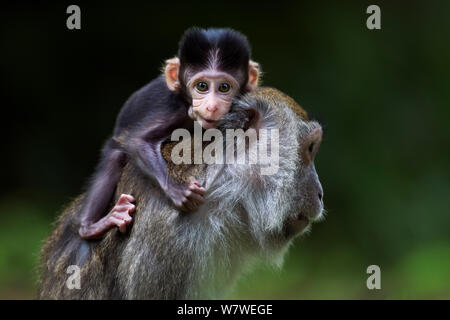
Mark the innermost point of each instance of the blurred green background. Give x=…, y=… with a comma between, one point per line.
x=382, y=96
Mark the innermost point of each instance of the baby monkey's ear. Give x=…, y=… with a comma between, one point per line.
x=254, y=75
x=171, y=69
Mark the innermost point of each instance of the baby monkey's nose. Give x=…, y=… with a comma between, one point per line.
x=211, y=107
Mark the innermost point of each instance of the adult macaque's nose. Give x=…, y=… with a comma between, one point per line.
x=320, y=193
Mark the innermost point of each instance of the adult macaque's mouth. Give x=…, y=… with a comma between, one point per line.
x=296, y=225
x=300, y=223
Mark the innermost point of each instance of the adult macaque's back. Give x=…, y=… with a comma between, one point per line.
x=170, y=255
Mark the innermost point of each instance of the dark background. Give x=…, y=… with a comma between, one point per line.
x=383, y=98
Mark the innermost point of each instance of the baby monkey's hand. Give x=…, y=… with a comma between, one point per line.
x=187, y=197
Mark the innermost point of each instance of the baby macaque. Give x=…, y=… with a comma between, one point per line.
x=212, y=67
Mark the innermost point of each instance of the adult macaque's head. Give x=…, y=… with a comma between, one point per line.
x=213, y=66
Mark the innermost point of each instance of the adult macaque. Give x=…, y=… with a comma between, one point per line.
x=168, y=255
x=212, y=67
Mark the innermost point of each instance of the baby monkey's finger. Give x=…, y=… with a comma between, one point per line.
x=124, y=198
x=197, y=189
x=198, y=199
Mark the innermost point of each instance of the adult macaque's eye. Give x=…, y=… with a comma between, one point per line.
x=224, y=87
x=201, y=86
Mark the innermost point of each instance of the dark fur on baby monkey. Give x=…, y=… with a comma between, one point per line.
x=211, y=68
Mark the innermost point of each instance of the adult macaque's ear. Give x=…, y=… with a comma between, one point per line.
x=254, y=74
x=171, y=72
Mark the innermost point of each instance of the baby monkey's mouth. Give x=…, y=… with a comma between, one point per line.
x=207, y=123
x=210, y=121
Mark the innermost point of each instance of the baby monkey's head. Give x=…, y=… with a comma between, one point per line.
x=212, y=67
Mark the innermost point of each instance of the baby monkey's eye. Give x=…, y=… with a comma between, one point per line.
x=202, y=86
x=224, y=87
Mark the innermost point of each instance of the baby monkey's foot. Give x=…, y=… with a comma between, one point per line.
x=187, y=197
x=118, y=216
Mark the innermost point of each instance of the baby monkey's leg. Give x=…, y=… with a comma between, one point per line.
x=95, y=220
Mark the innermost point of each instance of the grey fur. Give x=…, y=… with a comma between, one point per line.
x=171, y=255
